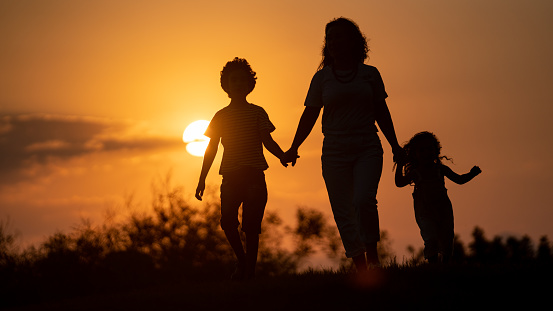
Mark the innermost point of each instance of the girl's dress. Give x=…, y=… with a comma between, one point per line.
x=433, y=211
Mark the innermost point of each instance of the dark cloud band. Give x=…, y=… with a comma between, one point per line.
x=39, y=138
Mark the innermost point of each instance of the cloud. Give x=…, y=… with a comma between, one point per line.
x=31, y=141
x=47, y=145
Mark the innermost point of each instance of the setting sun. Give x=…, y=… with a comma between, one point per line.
x=193, y=136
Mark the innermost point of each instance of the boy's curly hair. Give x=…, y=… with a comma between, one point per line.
x=237, y=64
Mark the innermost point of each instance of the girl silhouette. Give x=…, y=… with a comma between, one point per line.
x=423, y=167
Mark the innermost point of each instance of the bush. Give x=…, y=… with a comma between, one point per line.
x=177, y=242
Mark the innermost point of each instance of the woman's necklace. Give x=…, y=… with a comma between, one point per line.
x=347, y=76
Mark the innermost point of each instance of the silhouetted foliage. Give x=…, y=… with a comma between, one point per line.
x=512, y=251
x=312, y=232
x=459, y=254
x=385, y=253
x=178, y=237
x=8, y=249
x=545, y=255
x=480, y=247
x=177, y=242
x=520, y=250
x=417, y=256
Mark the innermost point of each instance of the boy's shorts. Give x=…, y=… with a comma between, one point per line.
x=246, y=187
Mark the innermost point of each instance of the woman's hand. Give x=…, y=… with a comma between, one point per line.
x=289, y=156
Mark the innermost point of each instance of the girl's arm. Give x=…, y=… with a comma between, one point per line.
x=209, y=156
x=271, y=145
x=461, y=179
x=401, y=179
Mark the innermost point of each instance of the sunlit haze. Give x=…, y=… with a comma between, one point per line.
x=95, y=96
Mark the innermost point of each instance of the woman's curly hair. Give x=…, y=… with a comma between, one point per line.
x=414, y=144
x=361, y=49
x=234, y=65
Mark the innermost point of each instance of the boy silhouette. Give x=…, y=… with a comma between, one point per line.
x=243, y=129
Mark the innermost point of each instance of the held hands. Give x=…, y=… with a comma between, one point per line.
x=399, y=155
x=289, y=156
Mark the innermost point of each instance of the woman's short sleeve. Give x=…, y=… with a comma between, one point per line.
x=315, y=93
x=378, y=85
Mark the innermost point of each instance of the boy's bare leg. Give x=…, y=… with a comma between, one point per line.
x=252, y=246
x=236, y=243
x=233, y=236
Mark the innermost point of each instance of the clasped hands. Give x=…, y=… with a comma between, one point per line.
x=400, y=156
x=289, y=156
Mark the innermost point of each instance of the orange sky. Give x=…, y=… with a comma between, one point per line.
x=94, y=96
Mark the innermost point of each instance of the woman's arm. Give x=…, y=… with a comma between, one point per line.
x=307, y=121
x=209, y=156
x=384, y=120
x=461, y=179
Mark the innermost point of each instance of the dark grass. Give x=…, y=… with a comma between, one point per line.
x=392, y=288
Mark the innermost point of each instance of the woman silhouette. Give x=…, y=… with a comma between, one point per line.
x=353, y=96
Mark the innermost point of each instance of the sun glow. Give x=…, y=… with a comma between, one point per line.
x=193, y=136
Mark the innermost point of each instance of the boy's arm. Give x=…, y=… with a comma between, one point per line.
x=461, y=179
x=209, y=156
x=271, y=145
x=401, y=180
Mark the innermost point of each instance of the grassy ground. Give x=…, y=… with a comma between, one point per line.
x=391, y=288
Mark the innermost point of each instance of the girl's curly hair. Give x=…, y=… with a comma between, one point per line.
x=414, y=143
x=234, y=65
x=361, y=48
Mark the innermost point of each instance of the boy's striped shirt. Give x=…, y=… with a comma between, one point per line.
x=240, y=131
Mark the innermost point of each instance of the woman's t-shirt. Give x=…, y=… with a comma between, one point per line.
x=349, y=108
